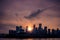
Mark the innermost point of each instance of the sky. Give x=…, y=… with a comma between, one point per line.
x=28, y=13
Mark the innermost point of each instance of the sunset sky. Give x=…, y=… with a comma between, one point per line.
x=14, y=12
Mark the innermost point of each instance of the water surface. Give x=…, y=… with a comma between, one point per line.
x=30, y=39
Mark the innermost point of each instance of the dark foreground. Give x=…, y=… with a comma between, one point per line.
x=30, y=39
x=28, y=36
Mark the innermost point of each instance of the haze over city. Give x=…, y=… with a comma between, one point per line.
x=29, y=12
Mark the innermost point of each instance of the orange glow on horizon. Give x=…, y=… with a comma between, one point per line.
x=30, y=29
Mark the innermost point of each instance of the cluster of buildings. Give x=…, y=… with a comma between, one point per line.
x=36, y=32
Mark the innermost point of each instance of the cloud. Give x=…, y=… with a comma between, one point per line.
x=17, y=11
x=35, y=14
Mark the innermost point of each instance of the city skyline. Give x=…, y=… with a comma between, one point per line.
x=36, y=32
x=31, y=28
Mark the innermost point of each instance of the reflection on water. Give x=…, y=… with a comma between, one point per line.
x=31, y=39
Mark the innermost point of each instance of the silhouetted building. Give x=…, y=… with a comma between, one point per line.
x=34, y=31
x=53, y=32
x=58, y=32
x=57, y=29
x=40, y=30
x=12, y=32
x=40, y=25
x=27, y=29
x=49, y=33
x=45, y=30
x=19, y=29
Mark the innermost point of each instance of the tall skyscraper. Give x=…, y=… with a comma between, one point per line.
x=45, y=30
x=21, y=30
x=40, y=25
x=17, y=29
x=34, y=31
x=53, y=32
x=49, y=32
x=26, y=28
